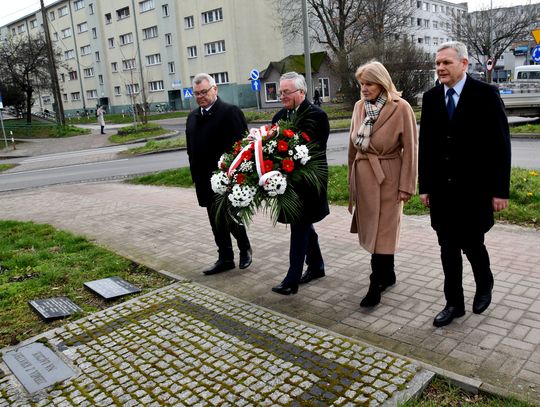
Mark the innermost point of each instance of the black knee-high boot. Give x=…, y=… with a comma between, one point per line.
x=388, y=275
x=382, y=276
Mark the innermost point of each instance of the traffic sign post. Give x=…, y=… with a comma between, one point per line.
x=535, y=55
x=255, y=84
x=2, y=120
x=188, y=93
x=254, y=75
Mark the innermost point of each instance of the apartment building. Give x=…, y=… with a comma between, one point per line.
x=113, y=52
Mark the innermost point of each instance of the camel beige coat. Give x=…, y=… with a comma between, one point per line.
x=376, y=177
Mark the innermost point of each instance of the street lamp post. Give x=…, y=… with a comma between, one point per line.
x=307, y=54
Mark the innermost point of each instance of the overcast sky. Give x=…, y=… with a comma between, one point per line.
x=12, y=9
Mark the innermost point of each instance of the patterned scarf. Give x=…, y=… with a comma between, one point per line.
x=372, y=113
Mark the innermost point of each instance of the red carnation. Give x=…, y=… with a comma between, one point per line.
x=240, y=178
x=305, y=136
x=287, y=165
x=282, y=146
x=268, y=165
x=247, y=155
x=288, y=133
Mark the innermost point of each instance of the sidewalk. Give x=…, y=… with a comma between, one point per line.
x=498, y=350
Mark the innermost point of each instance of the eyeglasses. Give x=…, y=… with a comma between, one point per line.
x=203, y=92
x=287, y=92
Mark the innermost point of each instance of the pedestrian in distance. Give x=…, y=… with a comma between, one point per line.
x=211, y=130
x=464, y=174
x=317, y=97
x=304, y=243
x=383, y=156
x=100, y=114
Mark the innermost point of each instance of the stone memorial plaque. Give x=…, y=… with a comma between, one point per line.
x=54, y=308
x=37, y=367
x=112, y=287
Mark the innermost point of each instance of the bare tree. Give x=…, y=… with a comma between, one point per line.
x=23, y=63
x=488, y=33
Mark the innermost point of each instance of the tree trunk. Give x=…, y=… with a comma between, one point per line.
x=29, y=93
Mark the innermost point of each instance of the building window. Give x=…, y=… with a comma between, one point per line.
x=21, y=29
x=155, y=86
x=122, y=13
x=91, y=94
x=69, y=54
x=76, y=96
x=168, y=39
x=94, y=32
x=110, y=42
x=189, y=22
x=85, y=50
x=65, y=97
x=114, y=66
x=212, y=16
x=146, y=5
x=427, y=40
x=128, y=64
x=62, y=77
x=82, y=27
x=425, y=6
x=66, y=32
x=165, y=10
x=98, y=58
x=13, y=31
x=435, y=24
x=91, y=8
x=88, y=72
x=100, y=79
x=33, y=24
x=126, y=39
x=150, y=32
x=270, y=92
x=426, y=23
x=192, y=52
x=78, y=4
x=51, y=15
x=72, y=75
x=171, y=67
x=108, y=18
x=215, y=47
x=117, y=90
x=419, y=22
x=220, y=77
x=55, y=36
x=132, y=88
x=153, y=59
x=63, y=11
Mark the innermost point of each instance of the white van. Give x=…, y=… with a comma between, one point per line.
x=527, y=73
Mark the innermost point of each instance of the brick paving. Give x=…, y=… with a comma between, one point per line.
x=164, y=229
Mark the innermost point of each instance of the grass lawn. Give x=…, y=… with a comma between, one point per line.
x=4, y=167
x=40, y=129
x=153, y=146
x=140, y=131
x=38, y=261
x=119, y=118
x=525, y=128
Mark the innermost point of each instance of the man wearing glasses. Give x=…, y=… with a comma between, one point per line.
x=304, y=245
x=211, y=129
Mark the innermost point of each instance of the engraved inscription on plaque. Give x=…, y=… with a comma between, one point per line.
x=112, y=287
x=54, y=308
x=37, y=367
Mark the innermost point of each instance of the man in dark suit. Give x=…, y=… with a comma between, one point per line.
x=211, y=129
x=304, y=244
x=464, y=173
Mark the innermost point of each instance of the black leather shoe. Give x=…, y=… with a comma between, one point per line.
x=219, y=267
x=311, y=275
x=285, y=289
x=481, y=301
x=447, y=315
x=245, y=259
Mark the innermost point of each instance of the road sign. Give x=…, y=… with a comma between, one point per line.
x=536, y=54
x=489, y=64
x=256, y=85
x=188, y=93
x=254, y=74
x=536, y=35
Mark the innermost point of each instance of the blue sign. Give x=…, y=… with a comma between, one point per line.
x=188, y=93
x=256, y=85
x=254, y=74
x=536, y=54
x=506, y=91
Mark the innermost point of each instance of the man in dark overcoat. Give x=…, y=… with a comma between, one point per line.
x=211, y=130
x=464, y=173
x=304, y=245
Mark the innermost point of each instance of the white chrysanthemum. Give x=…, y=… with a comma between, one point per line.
x=270, y=146
x=290, y=152
x=296, y=137
x=246, y=166
x=242, y=195
x=221, y=161
x=219, y=183
x=275, y=185
x=302, y=154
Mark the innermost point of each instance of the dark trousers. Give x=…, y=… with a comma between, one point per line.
x=222, y=235
x=473, y=246
x=102, y=129
x=304, y=247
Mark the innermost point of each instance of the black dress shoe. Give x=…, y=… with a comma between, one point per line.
x=219, y=267
x=245, y=259
x=481, y=301
x=311, y=275
x=447, y=315
x=285, y=289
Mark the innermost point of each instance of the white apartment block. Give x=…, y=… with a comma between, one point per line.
x=112, y=51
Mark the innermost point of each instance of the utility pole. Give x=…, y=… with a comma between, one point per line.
x=145, y=102
x=307, y=54
x=60, y=118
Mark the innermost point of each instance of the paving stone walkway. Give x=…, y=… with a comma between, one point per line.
x=164, y=229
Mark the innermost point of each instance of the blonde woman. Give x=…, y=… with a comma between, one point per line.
x=383, y=151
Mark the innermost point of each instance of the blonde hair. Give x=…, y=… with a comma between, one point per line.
x=375, y=72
